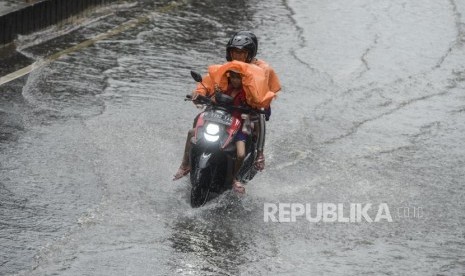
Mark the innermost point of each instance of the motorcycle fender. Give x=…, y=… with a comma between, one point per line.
x=204, y=160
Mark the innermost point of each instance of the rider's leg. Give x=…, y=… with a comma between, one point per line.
x=185, y=168
x=260, y=160
x=240, y=155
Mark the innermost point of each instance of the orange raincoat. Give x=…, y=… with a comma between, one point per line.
x=273, y=82
x=255, y=82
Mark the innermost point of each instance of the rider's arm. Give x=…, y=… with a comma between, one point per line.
x=273, y=81
x=274, y=84
x=261, y=132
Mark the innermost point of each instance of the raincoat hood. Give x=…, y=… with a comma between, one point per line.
x=254, y=81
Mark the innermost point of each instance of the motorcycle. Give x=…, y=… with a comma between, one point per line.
x=213, y=151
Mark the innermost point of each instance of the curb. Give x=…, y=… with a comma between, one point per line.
x=32, y=17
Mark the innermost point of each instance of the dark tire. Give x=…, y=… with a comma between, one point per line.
x=248, y=171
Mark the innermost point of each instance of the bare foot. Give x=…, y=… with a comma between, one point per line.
x=238, y=187
x=182, y=171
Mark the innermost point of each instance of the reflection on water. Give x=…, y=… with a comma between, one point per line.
x=212, y=241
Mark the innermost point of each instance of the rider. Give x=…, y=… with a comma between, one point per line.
x=243, y=46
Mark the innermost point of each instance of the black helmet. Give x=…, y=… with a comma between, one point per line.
x=253, y=37
x=242, y=41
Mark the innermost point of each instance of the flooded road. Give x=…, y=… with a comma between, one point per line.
x=372, y=111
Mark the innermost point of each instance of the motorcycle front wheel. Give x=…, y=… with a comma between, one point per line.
x=201, y=185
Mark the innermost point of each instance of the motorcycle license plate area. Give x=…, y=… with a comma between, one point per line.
x=219, y=118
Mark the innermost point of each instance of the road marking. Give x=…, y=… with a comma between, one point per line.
x=121, y=28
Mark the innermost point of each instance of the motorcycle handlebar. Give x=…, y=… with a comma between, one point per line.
x=248, y=110
x=200, y=99
x=243, y=109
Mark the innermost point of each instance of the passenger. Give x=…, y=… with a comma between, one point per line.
x=236, y=91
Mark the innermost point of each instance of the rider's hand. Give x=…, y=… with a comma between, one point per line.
x=267, y=113
x=260, y=162
x=194, y=95
x=196, y=100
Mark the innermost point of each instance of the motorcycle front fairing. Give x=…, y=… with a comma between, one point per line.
x=215, y=131
x=212, y=151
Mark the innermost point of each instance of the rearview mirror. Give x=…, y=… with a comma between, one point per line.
x=196, y=76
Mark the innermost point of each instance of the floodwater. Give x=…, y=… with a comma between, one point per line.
x=372, y=111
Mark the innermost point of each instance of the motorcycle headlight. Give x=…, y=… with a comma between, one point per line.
x=212, y=129
x=211, y=138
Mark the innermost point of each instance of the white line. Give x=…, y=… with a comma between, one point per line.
x=121, y=28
